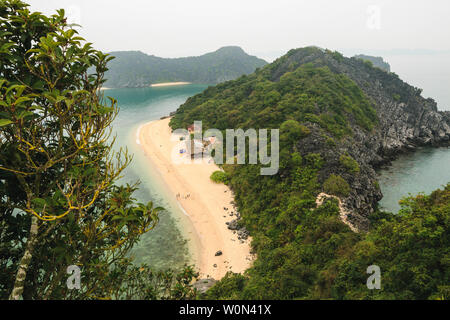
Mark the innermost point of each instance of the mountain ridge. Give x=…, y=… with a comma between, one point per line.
x=316, y=225
x=138, y=69
x=405, y=120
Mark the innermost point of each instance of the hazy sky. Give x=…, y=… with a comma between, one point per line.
x=173, y=28
x=412, y=35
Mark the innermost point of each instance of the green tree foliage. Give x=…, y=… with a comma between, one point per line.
x=307, y=94
x=60, y=204
x=411, y=248
x=219, y=177
x=326, y=260
x=230, y=286
x=349, y=163
x=291, y=131
x=336, y=185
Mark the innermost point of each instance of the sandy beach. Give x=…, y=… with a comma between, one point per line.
x=169, y=84
x=203, y=201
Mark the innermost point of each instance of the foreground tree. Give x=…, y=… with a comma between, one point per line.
x=59, y=201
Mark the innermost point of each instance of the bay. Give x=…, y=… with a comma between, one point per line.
x=422, y=171
x=169, y=244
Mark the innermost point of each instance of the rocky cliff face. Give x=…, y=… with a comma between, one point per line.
x=376, y=61
x=406, y=121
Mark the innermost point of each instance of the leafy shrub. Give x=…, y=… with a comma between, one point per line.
x=314, y=160
x=396, y=97
x=232, y=284
x=368, y=63
x=336, y=185
x=291, y=131
x=219, y=177
x=349, y=163
x=64, y=204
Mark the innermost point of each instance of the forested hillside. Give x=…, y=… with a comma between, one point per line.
x=137, y=69
x=339, y=118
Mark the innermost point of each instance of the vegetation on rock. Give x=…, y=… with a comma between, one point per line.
x=328, y=132
x=337, y=186
x=349, y=163
x=375, y=61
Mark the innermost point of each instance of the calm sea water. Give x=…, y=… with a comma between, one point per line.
x=427, y=169
x=166, y=246
x=423, y=171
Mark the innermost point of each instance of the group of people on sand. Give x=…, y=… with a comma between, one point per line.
x=187, y=196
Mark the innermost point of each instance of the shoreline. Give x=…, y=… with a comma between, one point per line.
x=169, y=84
x=203, y=201
x=151, y=178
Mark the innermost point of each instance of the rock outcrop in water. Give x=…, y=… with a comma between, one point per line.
x=406, y=121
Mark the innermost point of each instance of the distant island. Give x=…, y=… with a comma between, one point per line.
x=135, y=69
x=168, y=84
x=376, y=61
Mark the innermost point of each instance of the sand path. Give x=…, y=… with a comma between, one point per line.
x=343, y=212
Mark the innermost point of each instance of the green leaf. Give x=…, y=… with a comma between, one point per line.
x=23, y=99
x=6, y=46
x=104, y=110
x=130, y=218
x=39, y=85
x=25, y=114
x=5, y=122
x=19, y=89
x=39, y=203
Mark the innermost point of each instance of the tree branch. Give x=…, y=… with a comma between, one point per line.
x=17, y=291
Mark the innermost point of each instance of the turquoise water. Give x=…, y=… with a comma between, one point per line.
x=166, y=246
x=423, y=171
